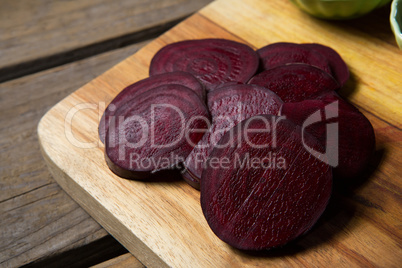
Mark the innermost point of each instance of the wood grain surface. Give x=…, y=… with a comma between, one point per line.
x=162, y=223
x=36, y=29
x=38, y=218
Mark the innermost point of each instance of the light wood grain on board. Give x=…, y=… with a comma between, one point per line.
x=38, y=218
x=162, y=223
x=35, y=29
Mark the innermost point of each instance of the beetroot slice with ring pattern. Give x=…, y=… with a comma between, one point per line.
x=281, y=53
x=263, y=189
x=212, y=61
x=155, y=131
x=228, y=106
x=339, y=69
x=296, y=81
x=128, y=93
x=352, y=144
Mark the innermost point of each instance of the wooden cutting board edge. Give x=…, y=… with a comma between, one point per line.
x=77, y=191
x=118, y=230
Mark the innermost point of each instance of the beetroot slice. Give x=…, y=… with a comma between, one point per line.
x=296, y=81
x=281, y=53
x=228, y=84
x=351, y=145
x=212, y=61
x=263, y=189
x=180, y=78
x=155, y=131
x=228, y=106
x=339, y=69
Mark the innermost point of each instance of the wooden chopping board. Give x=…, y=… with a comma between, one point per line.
x=162, y=224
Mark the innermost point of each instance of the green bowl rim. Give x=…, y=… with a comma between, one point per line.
x=396, y=28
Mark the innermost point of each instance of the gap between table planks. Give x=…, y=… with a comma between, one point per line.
x=123, y=261
x=38, y=218
x=161, y=223
x=34, y=34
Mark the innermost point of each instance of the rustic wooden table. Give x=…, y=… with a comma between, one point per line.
x=48, y=49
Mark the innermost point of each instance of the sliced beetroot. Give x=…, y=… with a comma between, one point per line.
x=281, y=53
x=228, y=84
x=228, y=106
x=296, y=81
x=155, y=131
x=212, y=61
x=350, y=141
x=339, y=69
x=261, y=188
x=127, y=94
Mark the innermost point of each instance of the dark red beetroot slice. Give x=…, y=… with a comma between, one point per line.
x=180, y=78
x=228, y=106
x=155, y=131
x=296, y=81
x=212, y=61
x=281, y=53
x=229, y=84
x=265, y=190
x=339, y=69
x=350, y=144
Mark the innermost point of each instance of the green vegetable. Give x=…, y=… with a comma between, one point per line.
x=339, y=9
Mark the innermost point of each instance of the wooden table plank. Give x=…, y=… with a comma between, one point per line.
x=37, y=217
x=89, y=255
x=35, y=29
